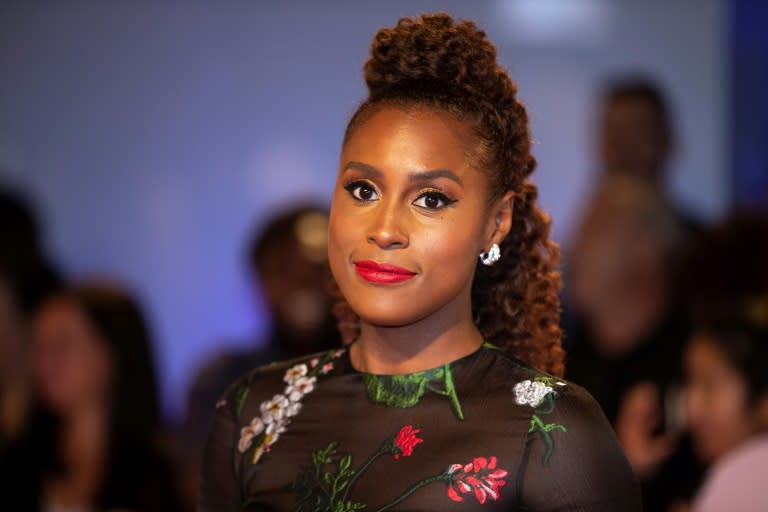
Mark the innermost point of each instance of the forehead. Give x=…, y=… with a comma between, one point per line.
x=414, y=138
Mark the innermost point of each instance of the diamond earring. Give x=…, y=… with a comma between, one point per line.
x=492, y=256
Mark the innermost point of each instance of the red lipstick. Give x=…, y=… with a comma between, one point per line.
x=382, y=273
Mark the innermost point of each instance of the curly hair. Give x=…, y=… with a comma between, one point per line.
x=451, y=66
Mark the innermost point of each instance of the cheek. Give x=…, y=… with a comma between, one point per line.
x=340, y=241
x=718, y=417
x=69, y=372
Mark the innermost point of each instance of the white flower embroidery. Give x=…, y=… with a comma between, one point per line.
x=276, y=413
x=271, y=435
x=248, y=432
x=295, y=373
x=303, y=385
x=272, y=411
x=292, y=409
x=531, y=393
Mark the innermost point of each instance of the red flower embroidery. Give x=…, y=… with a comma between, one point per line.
x=406, y=441
x=480, y=476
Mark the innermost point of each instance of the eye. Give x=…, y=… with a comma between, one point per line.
x=362, y=191
x=433, y=200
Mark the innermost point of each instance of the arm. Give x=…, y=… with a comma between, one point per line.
x=573, y=462
x=219, y=485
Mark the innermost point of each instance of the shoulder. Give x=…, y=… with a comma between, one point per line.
x=273, y=380
x=531, y=386
x=737, y=478
x=571, y=458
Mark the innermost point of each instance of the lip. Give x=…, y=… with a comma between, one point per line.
x=382, y=273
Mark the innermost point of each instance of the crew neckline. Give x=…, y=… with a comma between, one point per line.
x=352, y=369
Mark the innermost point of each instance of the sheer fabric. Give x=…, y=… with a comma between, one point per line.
x=483, y=433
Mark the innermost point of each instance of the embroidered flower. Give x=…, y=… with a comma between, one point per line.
x=273, y=410
x=248, y=432
x=276, y=413
x=481, y=476
x=292, y=409
x=531, y=393
x=300, y=387
x=406, y=441
x=295, y=373
x=271, y=435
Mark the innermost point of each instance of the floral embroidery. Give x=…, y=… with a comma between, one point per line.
x=406, y=441
x=531, y=393
x=540, y=394
x=325, y=484
x=480, y=476
x=276, y=413
x=295, y=373
x=300, y=387
x=407, y=390
x=248, y=432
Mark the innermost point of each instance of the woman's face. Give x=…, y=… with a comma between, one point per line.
x=409, y=217
x=718, y=414
x=71, y=364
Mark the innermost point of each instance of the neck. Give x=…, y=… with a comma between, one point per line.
x=84, y=435
x=420, y=346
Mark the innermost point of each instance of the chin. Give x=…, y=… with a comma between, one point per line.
x=397, y=315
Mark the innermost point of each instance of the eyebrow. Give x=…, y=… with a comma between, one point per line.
x=414, y=177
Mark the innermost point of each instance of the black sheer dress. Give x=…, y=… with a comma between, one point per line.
x=483, y=433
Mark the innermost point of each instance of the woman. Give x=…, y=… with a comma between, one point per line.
x=434, y=403
x=92, y=444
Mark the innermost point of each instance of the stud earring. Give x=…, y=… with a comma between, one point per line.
x=492, y=256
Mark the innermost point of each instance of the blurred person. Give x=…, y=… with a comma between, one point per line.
x=727, y=406
x=635, y=130
x=93, y=441
x=727, y=383
x=26, y=279
x=626, y=325
x=724, y=283
x=287, y=261
x=636, y=136
x=22, y=289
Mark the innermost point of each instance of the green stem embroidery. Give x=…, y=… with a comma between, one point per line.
x=537, y=425
x=450, y=390
x=386, y=447
x=412, y=489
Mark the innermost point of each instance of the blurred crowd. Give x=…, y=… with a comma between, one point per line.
x=665, y=318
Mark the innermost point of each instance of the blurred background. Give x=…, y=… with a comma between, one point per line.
x=155, y=141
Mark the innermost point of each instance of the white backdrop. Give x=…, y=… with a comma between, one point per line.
x=155, y=135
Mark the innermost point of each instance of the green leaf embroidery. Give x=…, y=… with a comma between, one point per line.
x=237, y=404
x=407, y=390
x=322, y=494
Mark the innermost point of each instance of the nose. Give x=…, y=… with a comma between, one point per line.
x=387, y=228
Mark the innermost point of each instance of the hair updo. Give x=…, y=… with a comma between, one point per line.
x=435, y=62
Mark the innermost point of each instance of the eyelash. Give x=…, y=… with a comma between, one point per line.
x=446, y=201
x=436, y=194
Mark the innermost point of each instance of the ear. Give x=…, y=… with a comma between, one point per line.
x=500, y=220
